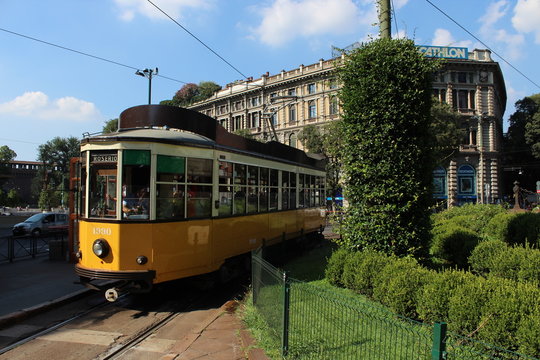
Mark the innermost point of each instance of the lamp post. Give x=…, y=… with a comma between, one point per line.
x=148, y=73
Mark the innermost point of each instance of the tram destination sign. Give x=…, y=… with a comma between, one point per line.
x=444, y=52
x=104, y=158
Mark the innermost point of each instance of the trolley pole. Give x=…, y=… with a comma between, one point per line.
x=385, y=25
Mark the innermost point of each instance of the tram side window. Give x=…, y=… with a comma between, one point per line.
x=170, y=187
x=199, y=188
x=292, y=192
x=225, y=188
x=285, y=190
x=136, y=184
x=239, y=189
x=274, y=188
x=321, y=191
x=252, y=189
x=263, y=190
x=102, y=191
x=301, y=188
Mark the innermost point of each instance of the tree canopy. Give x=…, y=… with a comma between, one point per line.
x=191, y=93
x=110, y=126
x=55, y=155
x=387, y=147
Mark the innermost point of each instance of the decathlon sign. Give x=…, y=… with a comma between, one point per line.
x=444, y=52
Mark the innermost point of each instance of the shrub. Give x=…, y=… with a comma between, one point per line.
x=524, y=228
x=509, y=304
x=361, y=269
x=453, y=243
x=497, y=227
x=528, y=333
x=434, y=296
x=398, y=285
x=335, y=267
x=481, y=259
x=477, y=215
x=465, y=306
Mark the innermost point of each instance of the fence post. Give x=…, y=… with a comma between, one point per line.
x=438, y=351
x=286, y=303
x=11, y=249
x=255, y=273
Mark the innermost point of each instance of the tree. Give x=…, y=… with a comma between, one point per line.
x=387, y=147
x=110, y=126
x=446, y=129
x=244, y=133
x=55, y=156
x=6, y=155
x=326, y=141
x=191, y=93
x=532, y=135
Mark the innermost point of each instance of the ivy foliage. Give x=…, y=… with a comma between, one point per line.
x=387, y=147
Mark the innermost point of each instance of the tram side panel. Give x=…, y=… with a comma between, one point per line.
x=182, y=249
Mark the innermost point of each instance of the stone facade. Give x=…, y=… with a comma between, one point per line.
x=277, y=107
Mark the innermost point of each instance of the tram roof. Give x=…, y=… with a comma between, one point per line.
x=180, y=126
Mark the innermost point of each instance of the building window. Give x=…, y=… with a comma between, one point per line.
x=237, y=122
x=311, y=88
x=312, y=109
x=466, y=183
x=291, y=92
x=333, y=105
x=439, y=183
x=255, y=120
x=274, y=118
x=292, y=140
x=292, y=113
x=333, y=84
x=255, y=101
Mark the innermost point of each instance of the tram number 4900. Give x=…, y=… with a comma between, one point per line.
x=101, y=231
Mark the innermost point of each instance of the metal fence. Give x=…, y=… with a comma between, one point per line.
x=311, y=322
x=21, y=247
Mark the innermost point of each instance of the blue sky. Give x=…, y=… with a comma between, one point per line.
x=46, y=91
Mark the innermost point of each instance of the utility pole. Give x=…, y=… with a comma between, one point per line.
x=385, y=24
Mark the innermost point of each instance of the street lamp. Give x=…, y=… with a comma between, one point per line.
x=148, y=73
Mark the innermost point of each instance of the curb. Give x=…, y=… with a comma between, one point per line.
x=20, y=315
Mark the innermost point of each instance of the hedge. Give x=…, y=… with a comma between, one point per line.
x=503, y=312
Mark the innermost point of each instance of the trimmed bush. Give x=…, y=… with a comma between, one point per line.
x=477, y=215
x=481, y=259
x=466, y=305
x=497, y=227
x=528, y=333
x=398, y=285
x=523, y=229
x=361, y=268
x=335, y=267
x=434, y=296
x=509, y=304
x=453, y=243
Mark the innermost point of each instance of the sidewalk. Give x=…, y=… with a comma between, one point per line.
x=34, y=284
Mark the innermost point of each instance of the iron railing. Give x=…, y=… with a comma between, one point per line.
x=21, y=247
x=312, y=322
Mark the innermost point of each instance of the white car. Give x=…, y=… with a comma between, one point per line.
x=41, y=223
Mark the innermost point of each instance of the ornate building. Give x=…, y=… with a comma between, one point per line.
x=279, y=106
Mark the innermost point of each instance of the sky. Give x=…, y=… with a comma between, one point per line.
x=48, y=91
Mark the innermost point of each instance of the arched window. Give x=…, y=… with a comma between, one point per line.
x=292, y=140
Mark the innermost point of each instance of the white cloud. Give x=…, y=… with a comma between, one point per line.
x=525, y=17
x=286, y=20
x=130, y=8
x=511, y=43
x=37, y=105
x=443, y=37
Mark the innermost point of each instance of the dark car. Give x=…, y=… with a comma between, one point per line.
x=41, y=223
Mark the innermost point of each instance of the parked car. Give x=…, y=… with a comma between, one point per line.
x=41, y=223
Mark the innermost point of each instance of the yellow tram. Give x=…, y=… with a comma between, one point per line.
x=172, y=194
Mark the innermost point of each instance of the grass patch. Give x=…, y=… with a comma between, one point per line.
x=331, y=323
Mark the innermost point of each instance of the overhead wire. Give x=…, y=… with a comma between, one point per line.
x=483, y=43
x=82, y=53
x=196, y=38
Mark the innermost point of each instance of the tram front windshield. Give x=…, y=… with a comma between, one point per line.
x=134, y=196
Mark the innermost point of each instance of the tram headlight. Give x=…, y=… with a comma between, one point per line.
x=101, y=248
